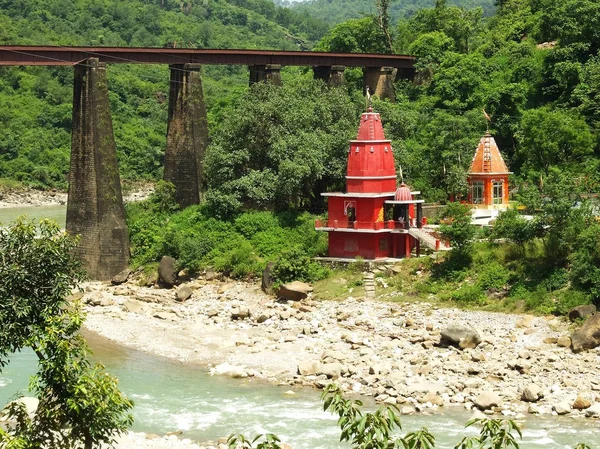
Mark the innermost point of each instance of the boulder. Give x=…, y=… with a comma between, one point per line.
x=462, y=336
x=593, y=411
x=562, y=408
x=525, y=321
x=167, y=274
x=121, y=278
x=295, y=291
x=225, y=369
x=581, y=403
x=308, y=367
x=582, y=312
x=486, y=400
x=267, y=279
x=30, y=404
x=532, y=393
x=331, y=370
x=135, y=306
x=432, y=398
x=210, y=274
x=240, y=314
x=588, y=335
x=183, y=293
x=564, y=342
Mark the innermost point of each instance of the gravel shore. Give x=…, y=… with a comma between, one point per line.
x=390, y=351
x=40, y=198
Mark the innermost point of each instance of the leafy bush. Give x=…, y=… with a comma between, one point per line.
x=239, y=248
x=251, y=223
x=469, y=295
x=294, y=264
x=568, y=299
x=492, y=276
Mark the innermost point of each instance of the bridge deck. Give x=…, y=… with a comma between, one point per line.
x=68, y=56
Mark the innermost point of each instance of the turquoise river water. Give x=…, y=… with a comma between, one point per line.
x=171, y=396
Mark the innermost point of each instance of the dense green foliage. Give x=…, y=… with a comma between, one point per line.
x=280, y=147
x=343, y=10
x=36, y=103
x=239, y=247
x=79, y=403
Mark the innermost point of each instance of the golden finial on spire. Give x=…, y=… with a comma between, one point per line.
x=489, y=120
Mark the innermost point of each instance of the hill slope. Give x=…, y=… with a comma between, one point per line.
x=337, y=11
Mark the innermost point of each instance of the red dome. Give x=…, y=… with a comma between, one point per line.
x=403, y=193
x=371, y=167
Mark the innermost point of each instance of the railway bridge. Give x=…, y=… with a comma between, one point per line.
x=95, y=203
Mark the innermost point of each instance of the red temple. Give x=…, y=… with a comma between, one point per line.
x=373, y=219
x=488, y=176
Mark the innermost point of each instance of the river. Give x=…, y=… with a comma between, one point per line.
x=171, y=396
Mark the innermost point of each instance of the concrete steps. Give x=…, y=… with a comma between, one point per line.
x=427, y=239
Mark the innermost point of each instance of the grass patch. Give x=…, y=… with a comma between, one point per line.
x=340, y=284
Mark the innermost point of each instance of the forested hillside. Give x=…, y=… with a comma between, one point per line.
x=338, y=11
x=35, y=103
x=533, y=66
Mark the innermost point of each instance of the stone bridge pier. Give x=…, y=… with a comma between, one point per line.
x=380, y=81
x=270, y=73
x=187, y=134
x=332, y=75
x=95, y=202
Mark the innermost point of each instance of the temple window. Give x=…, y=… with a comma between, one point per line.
x=498, y=192
x=383, y=245
x=477, y=192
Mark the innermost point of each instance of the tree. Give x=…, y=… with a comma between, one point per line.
x=79, y=403
x=456, y=227
x=551, y=137
x=510, y=225
x=355, y=36
x=281, y=147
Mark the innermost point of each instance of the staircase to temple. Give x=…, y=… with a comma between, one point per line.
x=369, y=284
x=427, y=239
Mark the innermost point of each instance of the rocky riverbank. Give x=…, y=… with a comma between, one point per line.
x=390, y=351
x=34, y=198
x=40, y=198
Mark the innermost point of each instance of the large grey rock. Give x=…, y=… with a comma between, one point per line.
x=167, y=274
x=225, y=369
x=562, y=408
x=462, y=336
x=486, y=400
x=593, y=411
x=532, y=393
x=581, y=312
x=267, y=279
x=240, y=313
x=331, y=370
x=295, y=291
x=308, y=367
x=183, y=293
x=588, y=336
x=30, y=404
x=121, y=278
x=135, y=306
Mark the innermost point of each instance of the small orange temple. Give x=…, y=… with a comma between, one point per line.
x=373, y=219
x=488, y=176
